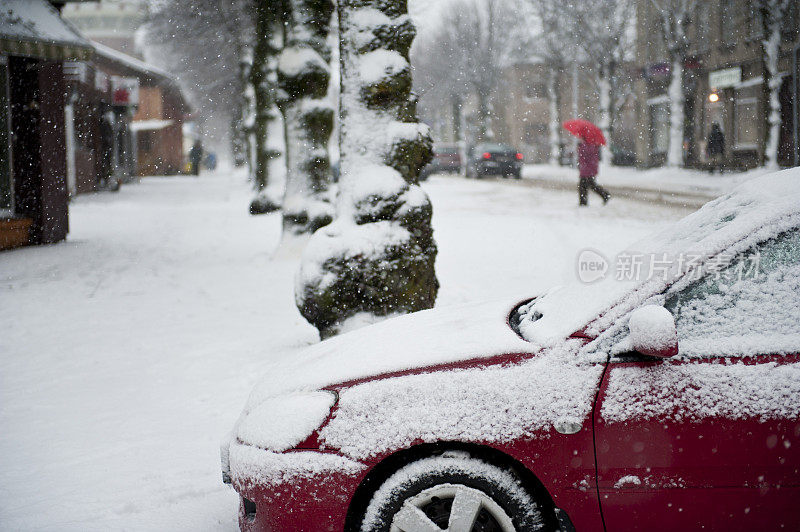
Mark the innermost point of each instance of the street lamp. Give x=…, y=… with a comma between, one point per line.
x=713, y=97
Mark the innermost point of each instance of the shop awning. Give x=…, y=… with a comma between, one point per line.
x=149, y=125
x=34, y=28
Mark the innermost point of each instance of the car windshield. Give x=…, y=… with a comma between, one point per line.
x=748, y=305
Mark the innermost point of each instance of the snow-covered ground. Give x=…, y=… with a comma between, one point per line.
x=129, y=350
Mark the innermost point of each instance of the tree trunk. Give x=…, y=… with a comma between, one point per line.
x=772, y=81
x=555, y=120
x=263, y=101
x=458, y=132
x=303, y=77
x=485, y=133
x=676, y=118
x=377, y=257
x=240, y=126
x=604, y=123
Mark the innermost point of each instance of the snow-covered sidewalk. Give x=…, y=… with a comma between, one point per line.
x=669, y=186
x=129, y=350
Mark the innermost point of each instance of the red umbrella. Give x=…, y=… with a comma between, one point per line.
x=585, y=130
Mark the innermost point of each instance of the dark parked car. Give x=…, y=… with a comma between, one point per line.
x=622, y=156
x=494, y=159
x=446, y=158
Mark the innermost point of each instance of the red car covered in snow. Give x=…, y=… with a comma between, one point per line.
x=662, y=393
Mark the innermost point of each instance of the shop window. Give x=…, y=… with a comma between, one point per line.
x=729, y=18
x=790, y=22
x=703, y=26
x=659, y=127
x=146, y=141
x=755, y=20
x=535, y=90
x=746, y=119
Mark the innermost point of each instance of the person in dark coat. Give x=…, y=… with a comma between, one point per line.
x=195, y=156
x=588, y=164
x=715, y=147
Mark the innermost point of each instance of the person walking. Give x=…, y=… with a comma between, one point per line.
x=715, y=148
x=588, y=164
x=195, y=156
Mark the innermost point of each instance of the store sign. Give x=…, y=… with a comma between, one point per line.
x=124, y=91
x=727, y=77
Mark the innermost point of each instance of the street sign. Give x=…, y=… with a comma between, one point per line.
x=124, y=91
x=727, y=77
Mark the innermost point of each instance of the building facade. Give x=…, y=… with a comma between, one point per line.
x=724, y=81
x=523, y=109
x=156, y=118
x=112, y=23
x=34, y=44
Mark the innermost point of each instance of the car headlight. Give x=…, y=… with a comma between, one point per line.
x=281, y=423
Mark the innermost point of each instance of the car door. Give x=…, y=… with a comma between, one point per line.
x=711, y=438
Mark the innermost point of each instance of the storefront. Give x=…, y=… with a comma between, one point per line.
x=34, y=43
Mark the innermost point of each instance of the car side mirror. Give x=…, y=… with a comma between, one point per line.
x=652, y=332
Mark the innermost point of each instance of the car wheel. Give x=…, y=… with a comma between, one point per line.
x=453, y=492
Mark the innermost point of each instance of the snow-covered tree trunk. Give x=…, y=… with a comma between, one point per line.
x=676, y=17
x=262, y=81
x=458, y=131
x=303, y=78
x=240, y=134
x=555, y=119
x=676, y=114
x=377, y=257
x=604, y=123
x=485, y=132
x=772, y=14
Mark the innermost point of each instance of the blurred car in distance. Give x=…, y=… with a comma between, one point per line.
x=494, y=159
x=446, y=159
x=622, y=156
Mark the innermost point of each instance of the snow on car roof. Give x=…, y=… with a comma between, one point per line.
x=755, y=211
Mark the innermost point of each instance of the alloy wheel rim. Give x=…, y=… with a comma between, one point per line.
x=451, y=508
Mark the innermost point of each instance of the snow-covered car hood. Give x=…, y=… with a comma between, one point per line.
x=427, y=338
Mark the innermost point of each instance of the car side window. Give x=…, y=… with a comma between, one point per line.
x=750, y=306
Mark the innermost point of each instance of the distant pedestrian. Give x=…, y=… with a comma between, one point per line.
x=195, y=156
x=715, y=148
x=588, y=164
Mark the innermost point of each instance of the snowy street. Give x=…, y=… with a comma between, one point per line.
x=129, y=349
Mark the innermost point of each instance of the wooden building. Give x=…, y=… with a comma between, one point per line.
x=160, y=110
x=34, y=43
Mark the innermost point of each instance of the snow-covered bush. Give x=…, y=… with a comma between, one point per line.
x=377, y=257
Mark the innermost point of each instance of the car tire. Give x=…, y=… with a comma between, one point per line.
x=421, y=496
